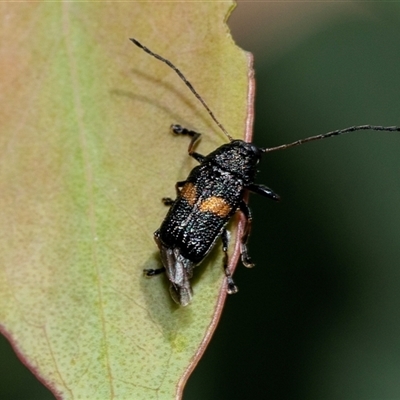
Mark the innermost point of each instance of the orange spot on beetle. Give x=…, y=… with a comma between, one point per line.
x=189, y=193
x=216, y=205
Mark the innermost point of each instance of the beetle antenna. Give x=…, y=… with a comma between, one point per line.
x=187, y=83
x=332, y=134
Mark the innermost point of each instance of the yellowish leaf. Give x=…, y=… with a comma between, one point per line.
x=86, y=156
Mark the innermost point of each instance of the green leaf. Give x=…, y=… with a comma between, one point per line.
x=86, y=156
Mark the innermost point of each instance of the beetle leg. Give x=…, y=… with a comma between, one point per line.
x=232, y=288
x=179, y=130
x=246, y=260
x=263, y=190
x=151, y=272
x=167, y=200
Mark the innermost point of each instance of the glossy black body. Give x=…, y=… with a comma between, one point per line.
x=223, y=174
x=205, y=202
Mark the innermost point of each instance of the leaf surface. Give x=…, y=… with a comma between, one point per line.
x=86, y=156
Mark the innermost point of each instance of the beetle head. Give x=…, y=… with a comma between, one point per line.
x=237, y=157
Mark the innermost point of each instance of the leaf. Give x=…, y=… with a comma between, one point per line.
x=86, y=156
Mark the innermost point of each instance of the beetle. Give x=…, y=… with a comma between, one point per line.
x=212, y=193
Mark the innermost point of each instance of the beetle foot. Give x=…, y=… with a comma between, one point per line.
x=232, y=288
x=246, y=260
x=152, y=272
x=178, y=129
x=167, y=201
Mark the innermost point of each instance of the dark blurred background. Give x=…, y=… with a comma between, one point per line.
x=319, y=316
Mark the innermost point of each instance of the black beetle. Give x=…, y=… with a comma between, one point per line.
x=205, y=202
x=209, y=197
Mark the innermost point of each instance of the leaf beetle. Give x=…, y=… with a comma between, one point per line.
x=212, y=193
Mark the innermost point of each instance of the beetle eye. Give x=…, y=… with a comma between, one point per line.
x=256, y=150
